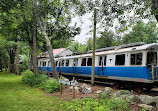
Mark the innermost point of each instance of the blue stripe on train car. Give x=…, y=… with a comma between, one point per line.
x=130, y=72
x=42, y=68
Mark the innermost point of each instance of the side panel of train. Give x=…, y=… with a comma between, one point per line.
x=123, y=66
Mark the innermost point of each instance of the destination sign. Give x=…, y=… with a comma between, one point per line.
x=71, y=83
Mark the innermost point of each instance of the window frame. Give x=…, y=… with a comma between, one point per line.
x=116, y=59
x=74, y=61
x=101, y=61
x=136, y=58
x=63, y=63
x=105, y=59
x=56, y=63
x=66, y=62
x=44, y=64
x=85, y=62
x=155, y=56
x=59, y=63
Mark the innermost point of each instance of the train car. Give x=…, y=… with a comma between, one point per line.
x=126, y=65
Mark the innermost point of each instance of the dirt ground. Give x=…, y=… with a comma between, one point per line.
x=67, y=94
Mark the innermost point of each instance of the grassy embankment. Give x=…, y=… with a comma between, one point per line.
x=16, y=96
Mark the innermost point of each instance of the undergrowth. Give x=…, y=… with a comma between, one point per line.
x=91, y=104
x=40, y=81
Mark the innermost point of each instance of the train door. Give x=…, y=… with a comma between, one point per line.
x=59, y=67
x=48, y=65
x=104, y=68
x=102, y=64
x=75, y=63
x=100, y=68
x=151, y=63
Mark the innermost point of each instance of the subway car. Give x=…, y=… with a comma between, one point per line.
x=130, y=65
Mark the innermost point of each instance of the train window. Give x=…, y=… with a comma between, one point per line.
x=120, y=59
x=152, y=58
x=104, y=60
x=41, y=64
x=75, y=62
x=100, y=61
x=89, y=62
x=44, y=63
x=56, y=64
x=67, y=62
x=59, y=63
x=62, y=62
x=48, y=63
x=83, y=62
x=136, y=59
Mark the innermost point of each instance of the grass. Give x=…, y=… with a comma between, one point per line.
x=16, y=96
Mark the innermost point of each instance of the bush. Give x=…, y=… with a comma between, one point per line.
x=23, y=65
x=41, y=81
x=38, y=81
x=52, y=85
x=28, y=77
x=90, y=104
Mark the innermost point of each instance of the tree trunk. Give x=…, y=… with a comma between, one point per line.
x=30, y=60
x=154, y=6
x=34, y=52
x=50, y=51
x=12, y=60
x=17, y=60
x=93, y=57
x=42, y=27
x=0, y=63
x=49, y=46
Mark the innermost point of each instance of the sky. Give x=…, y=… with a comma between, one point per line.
x=85, y=24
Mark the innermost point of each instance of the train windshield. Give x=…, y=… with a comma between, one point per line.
x=152, y=58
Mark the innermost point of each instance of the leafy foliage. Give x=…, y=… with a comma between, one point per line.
x=142, y=32
x=29, y=78
x=106, y=39
x=52, y=85
x=102, y=104
x=23, y=65
x=41, y=81
x=78, y=47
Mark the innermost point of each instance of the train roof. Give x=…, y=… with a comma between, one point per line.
x=153, y=46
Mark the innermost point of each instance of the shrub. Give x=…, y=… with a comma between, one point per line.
x=38, y=81
x=23, y=65
x=90, y=104
x=52, y=85
x=28, y=77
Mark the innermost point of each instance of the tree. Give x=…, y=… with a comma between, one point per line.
x=89, y=44
x=78, y=47
x=59, y=15
x=154, y=6
x=3, y=54
x=107, y=39
x=142, y=32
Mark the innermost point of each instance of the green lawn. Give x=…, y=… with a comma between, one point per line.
x=16, y=96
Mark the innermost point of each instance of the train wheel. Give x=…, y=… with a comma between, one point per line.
x=137, y=87
x=116, y=85
x=148, y=89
